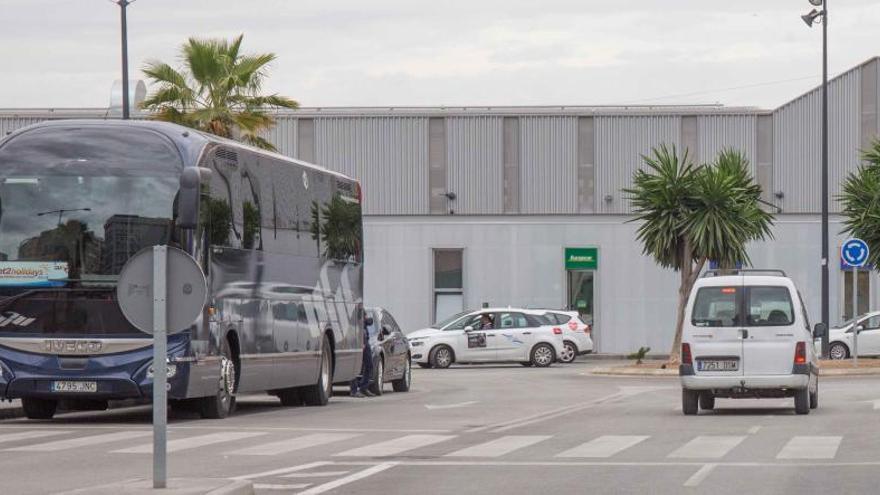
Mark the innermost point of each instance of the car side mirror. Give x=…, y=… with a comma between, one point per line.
x=191, y=180
x=859, y=328
x=819, y=330
x=468, y=328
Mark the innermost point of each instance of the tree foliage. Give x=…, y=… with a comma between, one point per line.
x=218, y=90
x=860, y=202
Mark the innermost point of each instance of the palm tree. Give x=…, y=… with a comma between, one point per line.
x=217, y=91
x=860, y=202
x=692, y=214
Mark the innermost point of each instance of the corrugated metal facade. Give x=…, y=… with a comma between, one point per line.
x=717, y=132
x=797, y=144
x=620, y=143
x=284, y=136
x=474, y=155
x=389, y=155
x=548, y=165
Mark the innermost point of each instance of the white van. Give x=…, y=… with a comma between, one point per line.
x=747, y=335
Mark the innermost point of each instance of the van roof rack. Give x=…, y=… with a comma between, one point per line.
x=747, y=271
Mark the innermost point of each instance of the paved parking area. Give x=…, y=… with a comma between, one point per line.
x=481, y=429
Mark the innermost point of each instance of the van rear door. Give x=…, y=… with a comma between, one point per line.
x=769, y=346
x=716, y=339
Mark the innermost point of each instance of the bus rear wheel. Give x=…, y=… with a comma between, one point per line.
x=319, y=393
x=39, y=408
x=221, y=404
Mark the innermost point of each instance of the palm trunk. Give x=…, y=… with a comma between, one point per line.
x=689, y=274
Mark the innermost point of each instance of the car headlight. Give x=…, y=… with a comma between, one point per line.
x=416, y=343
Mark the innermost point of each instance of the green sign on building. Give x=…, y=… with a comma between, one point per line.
x=581, y=258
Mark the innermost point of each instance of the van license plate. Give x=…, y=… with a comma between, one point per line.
x=66, y=386
x=718, y=365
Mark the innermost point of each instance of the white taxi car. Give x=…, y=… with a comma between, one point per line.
x=509, y=335
x=575, y=333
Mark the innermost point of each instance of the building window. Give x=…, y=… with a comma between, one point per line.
x=448, y=283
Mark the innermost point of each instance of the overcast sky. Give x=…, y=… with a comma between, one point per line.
x=65, y=53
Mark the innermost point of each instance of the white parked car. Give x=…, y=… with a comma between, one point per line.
x=747, y=336
x=840, y=339
x=518, y=335
x=575, y=333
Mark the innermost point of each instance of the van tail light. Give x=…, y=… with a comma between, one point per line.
x=686, y=357
x=800, y=353
x=557, y=330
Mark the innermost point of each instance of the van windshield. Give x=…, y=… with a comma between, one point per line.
x=716, y=307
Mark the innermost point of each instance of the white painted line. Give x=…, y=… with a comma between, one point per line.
x=707, y=447
x=499, y=446
x=349, y=479
x=755, y=429
x=27, y=435
x=315, y=475
x=81, y=441
x=276, y=472
x=270, y=487
x=700, y=475
x=604, y=446
x=450, y=406
x=396, y=446
x=810, y=448
x=226, y=428
x=290, y=445
x=877, y=404
x=544, y=416
x=192, y=442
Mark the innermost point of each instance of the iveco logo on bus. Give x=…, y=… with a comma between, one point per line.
x=13, y=318
x=72, y=346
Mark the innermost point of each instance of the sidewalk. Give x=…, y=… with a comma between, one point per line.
x=10, y=409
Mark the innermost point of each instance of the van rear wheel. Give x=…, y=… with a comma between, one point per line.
x=689, y=401
x=814, y=397
x=707, y=401
x=802, y=401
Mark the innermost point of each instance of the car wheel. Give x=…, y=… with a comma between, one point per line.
x=543, y=355
x=39, y=408
x=802, y=401
x=814, y=397
x=403, y=384
x=838, y=351
x=707, y=401
x=689, y=401
x=569, y=352
x=222, y=403
x=441, y=357
x=377, y=384
x=319, y=393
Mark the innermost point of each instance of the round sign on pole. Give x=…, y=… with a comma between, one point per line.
x=187, y=290
x=854, y=252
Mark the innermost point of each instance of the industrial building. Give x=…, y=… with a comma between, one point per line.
x=523, y=206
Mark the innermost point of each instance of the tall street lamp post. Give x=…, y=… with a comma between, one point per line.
x=122, y=8
x=815, y=16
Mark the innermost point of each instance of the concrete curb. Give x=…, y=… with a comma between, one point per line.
x=176, y=486
x=625, y=371
x=10, y=410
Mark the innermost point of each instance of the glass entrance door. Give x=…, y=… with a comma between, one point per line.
x=580, y=293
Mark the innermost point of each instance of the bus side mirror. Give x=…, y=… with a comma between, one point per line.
x=191, y=181
x=819, y=330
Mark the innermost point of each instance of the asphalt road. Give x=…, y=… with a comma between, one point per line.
x=478, y=430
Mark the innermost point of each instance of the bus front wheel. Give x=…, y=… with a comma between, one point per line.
x=221, y=404
x=39, y=408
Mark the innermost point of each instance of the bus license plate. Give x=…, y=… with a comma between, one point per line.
x=718, y=365
x=66, y=386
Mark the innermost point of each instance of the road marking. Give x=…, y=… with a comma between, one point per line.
x=604, y=446
x=707, y=447
x=276, y=472
x=67, y=428
x=299, y=443
x=754, y=429
x=700, y=475
x=396, y=446
x=499, y=446
x=810, y=448
x=349, y=479
x=546, y=415
x=271, y=487
x=450, y=406
x=876, y=404
x=192, y=442
x=315, y=475
x=81, y=441
x=26, y=435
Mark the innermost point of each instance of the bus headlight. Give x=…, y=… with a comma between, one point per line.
x=171, y=367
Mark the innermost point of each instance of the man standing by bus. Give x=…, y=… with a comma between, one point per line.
x=361, y=386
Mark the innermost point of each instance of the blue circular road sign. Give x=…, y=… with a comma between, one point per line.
x=854, y=252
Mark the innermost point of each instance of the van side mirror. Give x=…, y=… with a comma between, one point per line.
x=819, y=330
x=191, y=180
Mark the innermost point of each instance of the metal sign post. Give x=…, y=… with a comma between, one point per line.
x=160, y=370
x=854, y=252
x=855, y=306
x=161, y=291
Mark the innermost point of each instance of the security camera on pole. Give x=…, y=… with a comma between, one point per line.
x=854, y=253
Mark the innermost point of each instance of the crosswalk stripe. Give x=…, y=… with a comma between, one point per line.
x=499, y=446
x=396, y=446
x=81, y=441
x=318, y=474
x=27, y=435
x=707, y=447
x=810, y=448
x=604, y=446
x=193, y=442
x=299, y=443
